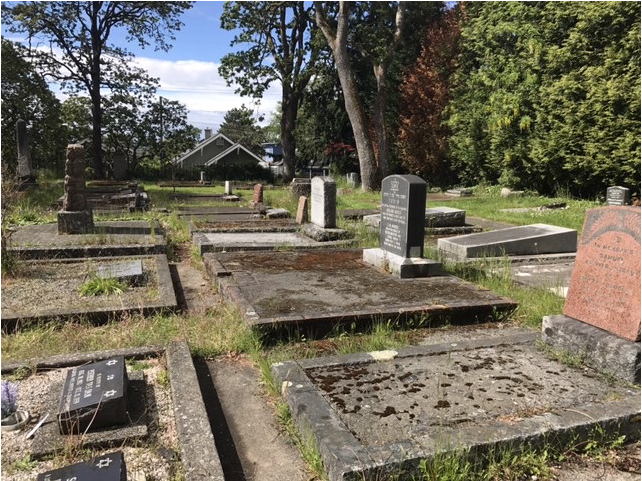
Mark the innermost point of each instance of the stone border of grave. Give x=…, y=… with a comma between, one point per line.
x=199, y=455
x=346, y=458
x=250, y=225
x=204, y=246
x=229, y=288
x=167, y=298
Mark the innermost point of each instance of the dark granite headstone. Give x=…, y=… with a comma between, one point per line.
x=403, y=206
x=617, y=195
x=108, y=467
x=94, y=395
x=128, y=271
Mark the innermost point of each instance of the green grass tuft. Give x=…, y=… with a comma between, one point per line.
x=99, y=287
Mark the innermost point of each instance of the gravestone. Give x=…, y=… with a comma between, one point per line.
x=94, y=395
x=228, y=187
x=324, y=202
x=120, y=166
x=108, y=467
x=302, y=210
x=353, y=179
x=130, y=272
x=300, y=186
x=257, y=197
x=403, y=205
x=25, y=169
x=202, y=179
x=75, y=217
x=617, y=195
x=605, y=283
x=460, y=192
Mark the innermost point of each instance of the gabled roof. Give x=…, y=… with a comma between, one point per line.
x=226, y=152
x=201, y=145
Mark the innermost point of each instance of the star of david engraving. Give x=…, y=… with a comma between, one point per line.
x=110, y=393
x=112, y=362
x=103, y=463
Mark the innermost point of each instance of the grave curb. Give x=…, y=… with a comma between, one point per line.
x=244, y=226
x=199, y=456
x=345, y=458
x=205, y=247
x=167, y=298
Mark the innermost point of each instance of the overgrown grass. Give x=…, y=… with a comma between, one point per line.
x=100, y=287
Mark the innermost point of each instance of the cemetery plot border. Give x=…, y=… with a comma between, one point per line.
x=165, y=298
x=207, y=242
x=250, y=225
x=347, y=455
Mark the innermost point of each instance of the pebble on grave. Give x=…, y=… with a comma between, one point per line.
x=601, y=316
x=130, y=272
x=76, y=216
x=617, y=195
x=94, y=396
x=108, y=467
x=403, y=205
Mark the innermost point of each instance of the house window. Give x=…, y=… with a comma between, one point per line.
x=220, y=142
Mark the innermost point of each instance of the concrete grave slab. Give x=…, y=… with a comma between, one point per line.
x=222, y=224
x=110, y=238
x=532, y=239
x=381, y=413
x=460, y=192
x=191, y=197
x=35, y=294
x=311, y=287
x=357, y=214
x=555, y=277
x=246, y=241
x=218, y=210
x=438, y=221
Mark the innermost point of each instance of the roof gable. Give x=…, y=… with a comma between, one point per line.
x=227, y=152
x=202, y=144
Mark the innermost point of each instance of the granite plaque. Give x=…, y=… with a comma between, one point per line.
x=403, y=205
x=618, y=196
x=605, y=283
x=324, y=202
x=129, y=271
x=94, y=396
x=108, y=467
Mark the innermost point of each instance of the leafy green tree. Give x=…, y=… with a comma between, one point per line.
x=240, y=126
x=84, y=59
x=76, y=114
x=26, y=96
x=281, y=47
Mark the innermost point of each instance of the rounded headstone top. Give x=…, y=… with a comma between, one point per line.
x=408, y=178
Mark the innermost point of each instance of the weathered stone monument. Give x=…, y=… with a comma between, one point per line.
x=617, y=195
x=76, y=216
x=257, y=197
x=108, y=467
x=300, y=186
x=324, y=211
x=25, y=170
x=403, y=204
x=94, y=396
x=228, y=187
x=601, y=320
x=302, y=210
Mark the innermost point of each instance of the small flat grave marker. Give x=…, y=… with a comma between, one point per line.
x=94, y=395
x=130, y=271
x=109, y=467
x=617, y=195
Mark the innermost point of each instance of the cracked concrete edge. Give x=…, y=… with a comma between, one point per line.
x=199, y=455
x=66, y=360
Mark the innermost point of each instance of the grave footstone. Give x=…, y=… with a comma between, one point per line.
x=617, y=195
x=228, y=187
x=25, y=170
x=324, y=202
x=94, y=396
x=76, y=216
x=302, y=210
x=130, y=272
x=108, y=467
x=403, y=204
x=257, y=197
x=601, y=320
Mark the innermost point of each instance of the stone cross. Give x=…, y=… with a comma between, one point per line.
x=302, y=210
x=324, y=202
x=25, y=171
x=76, y=217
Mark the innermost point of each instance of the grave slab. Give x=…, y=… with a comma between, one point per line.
x=555, y=277
x=605, y=284
x=35, y=294
x=314, y=286
x=522, y=240
x=108, y=467
x=222, y=224
x=381, y=413
x=94, y=396
x=191, y=197
x=463, y=192
x=244, y=241
x=357, y=214
x=110, y=238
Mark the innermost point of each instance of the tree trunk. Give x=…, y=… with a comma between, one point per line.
x=379, y=120
x=289, y=106
x=96, y=110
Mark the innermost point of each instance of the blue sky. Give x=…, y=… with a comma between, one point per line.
x=189, y=71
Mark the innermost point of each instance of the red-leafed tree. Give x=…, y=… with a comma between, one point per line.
x=425, y=90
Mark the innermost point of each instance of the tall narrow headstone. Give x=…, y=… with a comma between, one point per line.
x=353, y=179
x=108, y=467
x=76, y=216
x=257, y=197
x=228, y=187
x=25, y=170
x=94, y=396
x=617, y=195
x=324, y=202
x=202, y=179
x=302, y=210
x=120, y=166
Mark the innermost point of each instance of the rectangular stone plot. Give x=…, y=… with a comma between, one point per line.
x=605, y=283
x=109, y=467
x=403, y=203
x=94, y=396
